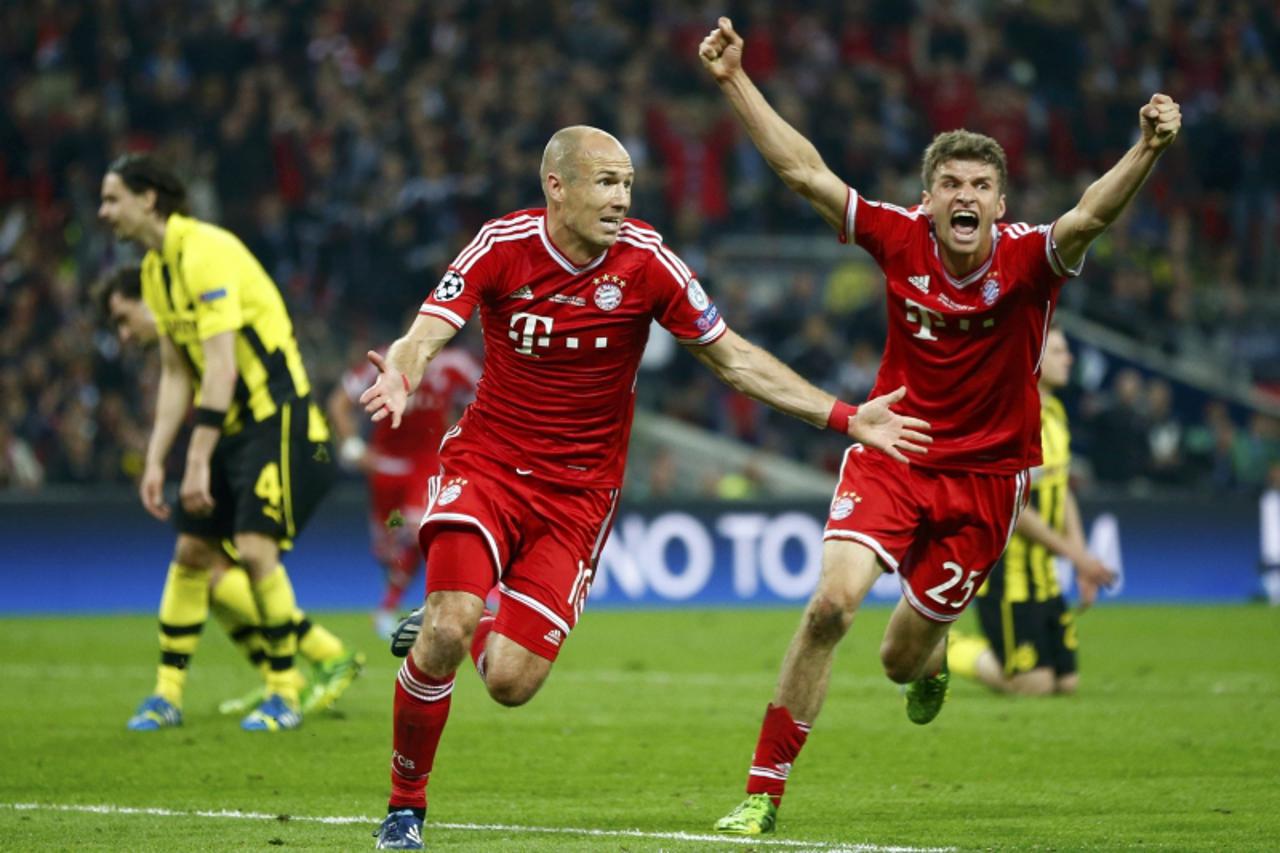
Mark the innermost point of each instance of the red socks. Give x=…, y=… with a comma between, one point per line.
x=780, y=741
x=421, y=709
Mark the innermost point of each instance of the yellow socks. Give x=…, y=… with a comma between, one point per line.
x=184, y=607
x=274, y=595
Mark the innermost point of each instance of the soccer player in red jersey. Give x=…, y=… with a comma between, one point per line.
x=399, y=462
x=969, y=301
x=529, y=477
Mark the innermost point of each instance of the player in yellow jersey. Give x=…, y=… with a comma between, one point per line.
x=1030, y=635
x=333, y=666
x=259, y=457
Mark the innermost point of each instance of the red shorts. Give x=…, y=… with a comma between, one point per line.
x=544, y=540
x=941, y=531
x=404, y=493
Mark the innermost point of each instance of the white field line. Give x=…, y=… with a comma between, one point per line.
x=233, y=814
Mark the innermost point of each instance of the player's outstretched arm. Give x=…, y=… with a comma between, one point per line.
x=745, y=367
x=785, y=149
x=403, y=366
x=1106, y=198
x=1091, y=573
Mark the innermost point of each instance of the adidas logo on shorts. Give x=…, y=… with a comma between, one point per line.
x=554, y=636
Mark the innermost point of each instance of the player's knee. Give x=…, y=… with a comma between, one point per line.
x=194, y=552
x=828, y=616
x=511, y=689
x=901, y=662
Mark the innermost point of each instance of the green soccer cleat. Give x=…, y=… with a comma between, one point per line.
x=330, y=679
x=240, y=705
x=926, y=695
x=755, y=815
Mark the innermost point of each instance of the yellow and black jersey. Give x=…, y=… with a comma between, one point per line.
x=1026, y=572
x=204, y=282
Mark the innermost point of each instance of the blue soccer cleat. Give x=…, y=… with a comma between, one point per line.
x=154, y=713
x=406, y=633
x=273, y=715
x=401, y=830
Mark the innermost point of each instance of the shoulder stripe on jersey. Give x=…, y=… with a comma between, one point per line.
x=913, y=213
x=651, y=236
x=1055, y=260
x=850, y=213
x=663, y=257
x=518, y=233
x=445, y=314
x=497, y=225
x=713, y=334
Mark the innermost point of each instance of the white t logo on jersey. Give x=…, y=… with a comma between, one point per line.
x=926, y=317
x=529, y=335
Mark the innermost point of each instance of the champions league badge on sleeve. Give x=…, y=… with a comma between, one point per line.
x=450, y=287
x=697, y=296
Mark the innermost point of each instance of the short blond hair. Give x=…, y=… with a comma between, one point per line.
x=963, y=145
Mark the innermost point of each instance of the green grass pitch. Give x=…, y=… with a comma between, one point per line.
x=647, y=724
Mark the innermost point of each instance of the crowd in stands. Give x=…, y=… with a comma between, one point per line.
x=355, y=147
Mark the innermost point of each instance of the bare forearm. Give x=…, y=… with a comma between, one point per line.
x=172, y=401
x=1073, y=524
x=745, y=367
x=1033, y=526
x=412, y=353
x=784, y=148
x=1107, y=197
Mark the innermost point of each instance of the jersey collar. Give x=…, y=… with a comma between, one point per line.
x=176, y=228
x=962, y=283
x=559, y=257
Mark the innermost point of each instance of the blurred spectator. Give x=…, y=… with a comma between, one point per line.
x=1120, y=432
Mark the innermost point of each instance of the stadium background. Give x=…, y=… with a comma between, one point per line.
x=356, y=146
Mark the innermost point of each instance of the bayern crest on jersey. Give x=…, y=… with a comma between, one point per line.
x=608, y=296
x=697, y=296
x=990, y=291
x=450, y=287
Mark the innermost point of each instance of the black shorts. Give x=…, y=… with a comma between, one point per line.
x=268, y=478
x=1027, y=635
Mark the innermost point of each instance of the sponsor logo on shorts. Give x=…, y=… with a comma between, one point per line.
x=697, y=296
x=844, y=504
x=450, y=287
x=554, y=637
x=451, y=492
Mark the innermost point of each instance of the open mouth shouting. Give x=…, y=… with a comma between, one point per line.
x=964, y=224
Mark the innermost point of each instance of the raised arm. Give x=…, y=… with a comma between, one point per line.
x=787, y=152
x=745, y=367
x=403, y=367
x=1106, y=198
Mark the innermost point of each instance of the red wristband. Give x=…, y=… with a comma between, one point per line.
x=407, y=389
x=838, y=420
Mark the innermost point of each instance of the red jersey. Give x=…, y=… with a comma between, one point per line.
x=449, y=380
x=563, y=342
x=968, y=349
